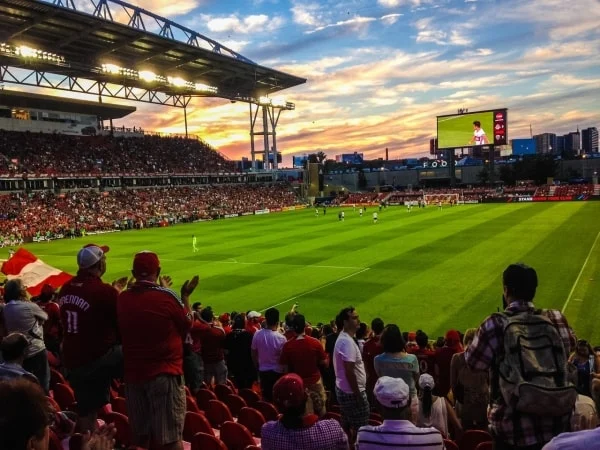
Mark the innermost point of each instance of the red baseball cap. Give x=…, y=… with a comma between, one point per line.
x=289, y=392
x=224, y=318
x=145, y=263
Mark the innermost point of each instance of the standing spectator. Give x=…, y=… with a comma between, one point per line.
x=212, y=337
x=52, y=326
x=443, y=358
x=91, y=353
x=350, y=376
x=24, y=316
x=267, y=344
x=371, y=349
x=253, y=319
x=424, y=353
x=470, y=388
x=393, y=401
x=238, y=346
x=397, y=363
x=329, y=373
x=297, y=430
x=361, y=335
x=193, y=364
x=13, y=349
x=435, y=411
x=304, y=355
x=154, y=323
x=511, y=428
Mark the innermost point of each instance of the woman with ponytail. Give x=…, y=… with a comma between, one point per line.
x=435, y=411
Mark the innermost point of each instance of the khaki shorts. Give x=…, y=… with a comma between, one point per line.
x=157, y=410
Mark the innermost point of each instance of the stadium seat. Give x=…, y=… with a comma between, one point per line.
x=191, y=405
x=332, y=415
x=218, y=413
x=472, y=438
x=485, y=446
x=232, y=386
x=268, y=411
x=222, y=391
x=450, y=445
x=203, y=396
x=119, y=405
x=252, y=447
x=203, y=441
x=374, y=422
x=121, y=421
x=249, y=396
x=56, y=377
x=236, y=436
x=195, y=423
x=252, y=419
x=235, y=403
x=64, y=396
x=376, y=416
x=54, y=405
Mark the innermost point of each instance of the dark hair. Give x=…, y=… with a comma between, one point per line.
x=361, y=333
x=422, y=339
x=343, y=315
x=377, y=325
x=392, y=340
x=207, y=314
x=477, y=123
x=196, y=306
x=426, y=402
x=272, y=316
x=239, y=322
x=292, y=417
x=440, y=342
x=521, y=281
x=13, y=346
x=24, y=414
x=405, y=336
x=289, y=319
x=316, y=333
x=299, y=323
x=13, y=290
x=327, y=330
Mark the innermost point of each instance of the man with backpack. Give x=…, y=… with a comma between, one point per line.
x=526, y=352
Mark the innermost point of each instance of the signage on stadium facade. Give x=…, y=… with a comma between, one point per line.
x=434, y=164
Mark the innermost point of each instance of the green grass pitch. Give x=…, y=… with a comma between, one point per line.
x=426, y=269
x=457, y=131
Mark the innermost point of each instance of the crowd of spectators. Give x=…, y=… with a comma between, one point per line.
x=38, y=153
x=177, y=363
x=78, y=212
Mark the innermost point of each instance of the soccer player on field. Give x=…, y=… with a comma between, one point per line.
x=375, y=217
x=360, y=211
x=194, y=248
x=479, y=137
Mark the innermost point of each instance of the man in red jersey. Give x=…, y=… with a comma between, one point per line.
x=88, y=314
x=371, y=349
x=154, y=323
x=424, y=354
x=212, y=337
x=305, y=356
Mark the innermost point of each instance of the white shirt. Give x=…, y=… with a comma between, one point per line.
x=346, y=350
x=374, y=215
x=438, y=418
x=479, y=135
x=578, y=440
x=398, y=434
x=268, y=344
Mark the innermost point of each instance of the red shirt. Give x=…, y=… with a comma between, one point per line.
x=153, y=324
x=303, y=355
x=371, y=349
x=88, y=314
x=52, y=326
x=196, y=341
x=443, y=358
x=213, y=342
x=426, y=359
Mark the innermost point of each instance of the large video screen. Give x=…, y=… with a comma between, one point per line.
x=472, y=129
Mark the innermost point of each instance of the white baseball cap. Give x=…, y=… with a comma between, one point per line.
x=253, y=315
x=90, y=255
x=426, y=381
x=392, y=392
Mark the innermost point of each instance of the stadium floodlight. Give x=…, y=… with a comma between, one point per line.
x=264, y=101
x=279, y=102
x=206, y=88
x=148, y=76
x=27, y=52
x=111, y=68
x=177, y=81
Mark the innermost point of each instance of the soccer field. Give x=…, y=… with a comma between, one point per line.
x=457, y=131
x=426, y=269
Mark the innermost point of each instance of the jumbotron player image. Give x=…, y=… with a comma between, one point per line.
x=479, y=136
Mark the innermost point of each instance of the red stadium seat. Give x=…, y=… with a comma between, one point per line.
x=123, y=436
x=56, y=377
x=64, y=396
x=222, y=391
x=376, y=417
x=252, y=419
x=249, y=396
x=218, y=413
x=374, y=422
x=268, y=411
x=485, y=446
x=203, y=396
x=235, y=403
x=191, y=404
x=236, y=436
x=450, y=445
x=195, y=423
x=332, y=415
x=54, y=405
x=472, y=438
x=203, y=441
x=119, y=405
x=252, y=447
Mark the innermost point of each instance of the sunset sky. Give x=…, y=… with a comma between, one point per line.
x=379, y=71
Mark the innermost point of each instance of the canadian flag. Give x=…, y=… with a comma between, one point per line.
x=34, y=272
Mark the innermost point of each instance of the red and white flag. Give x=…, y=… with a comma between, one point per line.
x=34, y=272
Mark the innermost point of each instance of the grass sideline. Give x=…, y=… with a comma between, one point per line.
x=426, y=269
x=457, y=131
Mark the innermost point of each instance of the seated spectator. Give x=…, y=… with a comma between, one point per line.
x=24, y=316
x=13, y=349
x=296, y=430
x=397, y=363
x=393, y=401
x=435, y=411
x=470, y=388
x=238, y=349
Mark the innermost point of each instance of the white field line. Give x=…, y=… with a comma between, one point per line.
x=317, y=288
x=580, y=273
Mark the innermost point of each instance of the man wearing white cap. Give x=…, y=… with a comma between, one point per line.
x=393, y=400
x=88, y=313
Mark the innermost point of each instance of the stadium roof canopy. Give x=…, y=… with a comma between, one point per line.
x=131, y=43
x=17, y=99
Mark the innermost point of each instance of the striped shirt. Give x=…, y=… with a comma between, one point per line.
x=398, y=434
